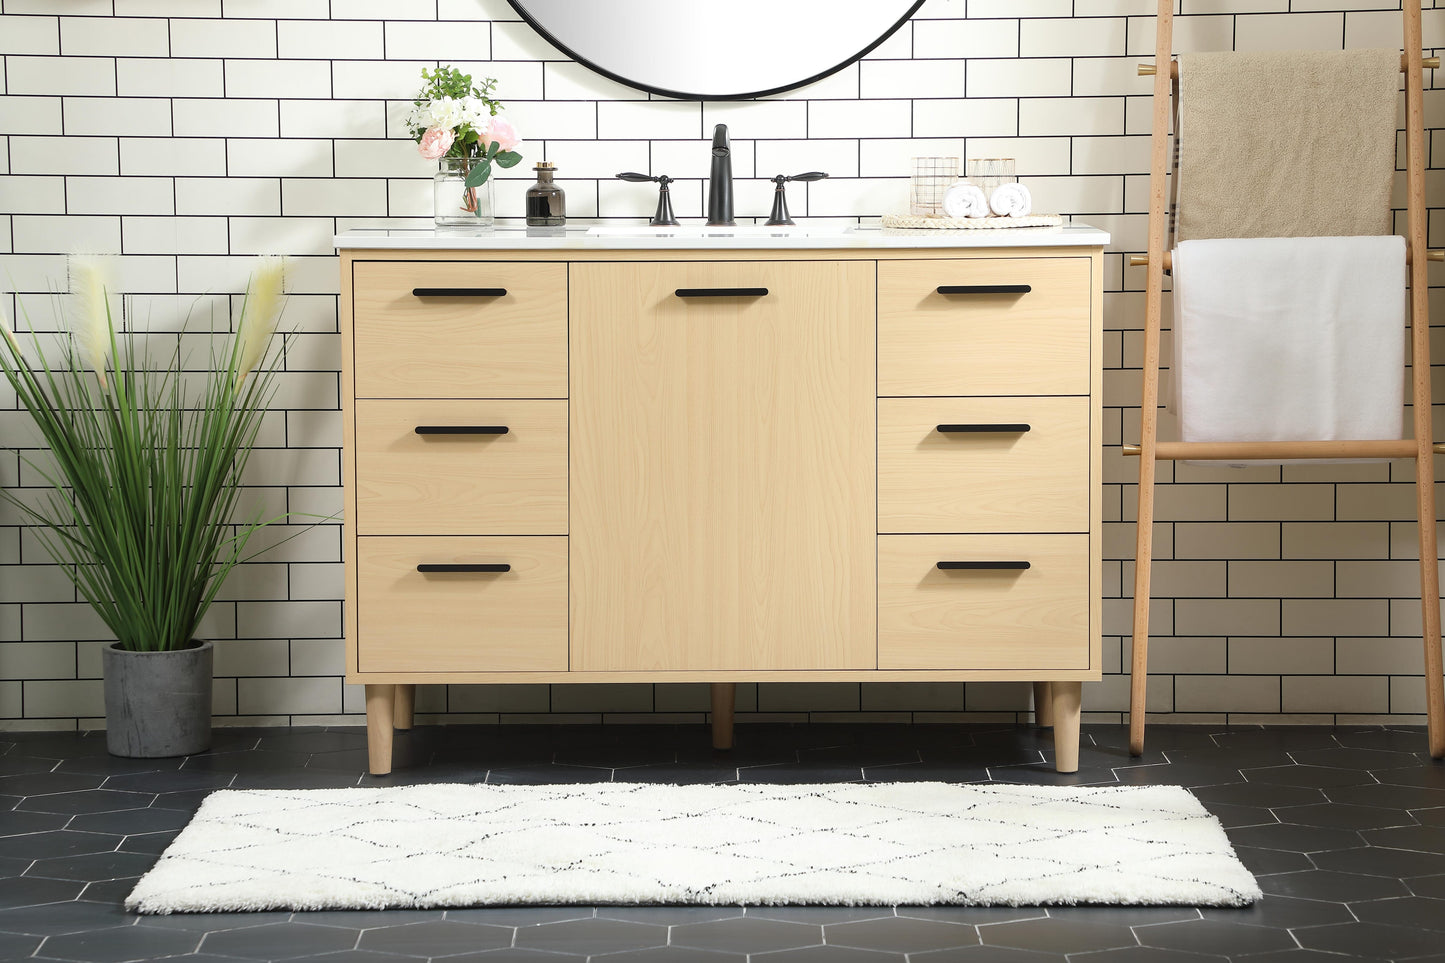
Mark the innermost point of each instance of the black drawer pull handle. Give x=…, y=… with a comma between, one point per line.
x=459, y=292
x=1010, y=566
x=721, y=292
x=984, y=288
x=1017, y=429
x=462, y=429
x=464, y=567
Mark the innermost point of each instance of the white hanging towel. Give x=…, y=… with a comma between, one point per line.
x=1290, y=339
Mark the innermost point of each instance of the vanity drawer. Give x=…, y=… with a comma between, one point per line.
x=461, y=621
x=492, y=330
x=986, y=617
x=462, y=475
x=983, y=465
x=978, y=340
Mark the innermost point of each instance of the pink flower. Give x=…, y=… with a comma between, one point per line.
x=503, y=134
x=436, y=142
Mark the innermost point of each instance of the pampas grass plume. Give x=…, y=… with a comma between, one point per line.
x=91, y=281
x=259, y=313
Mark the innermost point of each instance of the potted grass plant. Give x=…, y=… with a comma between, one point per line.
x=144, y=476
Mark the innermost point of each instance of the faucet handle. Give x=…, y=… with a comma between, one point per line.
x=663, y=216
x=779, y=216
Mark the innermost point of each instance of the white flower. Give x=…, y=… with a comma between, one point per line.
x=476, y=112
x=444, y=112
x=259, y=313
x=92, y=323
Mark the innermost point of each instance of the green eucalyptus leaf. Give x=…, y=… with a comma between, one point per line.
x=492, y=149
x=509, y=158
x=481, y=170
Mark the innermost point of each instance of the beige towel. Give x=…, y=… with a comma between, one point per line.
x=1297, y=144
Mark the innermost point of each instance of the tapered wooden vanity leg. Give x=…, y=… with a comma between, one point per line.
x=380, y=714
x=724, y=698
x=405, y=706
x=1043, y=704
x=1066, y=725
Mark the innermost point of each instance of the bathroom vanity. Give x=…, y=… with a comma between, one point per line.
x=740, y=455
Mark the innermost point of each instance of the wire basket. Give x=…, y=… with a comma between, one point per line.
x=932, y=177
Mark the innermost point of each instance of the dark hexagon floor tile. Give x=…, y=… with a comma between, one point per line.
x=355, y=761
x=367, y=919
x=1058, y=936
x=279, y=940
x=94, y=867
x=1216, y=937
x=1231, y=816
x=1161, y=737
x=668, y=954
x=748, y=934
x=17, y=765
x=182, y=780
x=348, y=956
x=13, y=946
x=438, y=938
x=45, y=783
x=1393, y=738
x=985, y=954
x=1429, y=886
x=212, y=922
x=152, y=843
x=1123, y=915
x=595, y=936
x=427, y=775
x=60, y=842
x=1145, y=954
x=547, y=775
x=61, y=745
x=794, y=774
x=1387, y=797
x=1290, y=738
x=679, y=775
x=1362, y=760
x=829, y=954
x=1413, y=911
x=1266, y=862
x=14, y=822
x=311, y=739
x=296, y=779
x=249, y=760
x=119, y=943
x=974, y=915
x=119, y=765
x=1430, y=817
x=91, y=801
x=1333, y=886
x=1283, y=912
x=1370, y=939
x=520, y=916
x=900, y=935
x=1295, y=839
x=1340, y=816
x=826, y=915
x=668, y=915
x=1318, y=777
x=1421, y=839
x=22, y=891
x=925, y=772
x=131, y=821
x=107, y=890
x=1238, y=758
x=1044, y=774
x=1309, y=956
x=614, y=757
x=1427, y=776
x=54, y=919
x=1264, y=796
x=1374, y=861
x=860, y=756
x=1188, y=775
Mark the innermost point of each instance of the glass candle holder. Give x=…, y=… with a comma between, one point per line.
x=932, y=177
x=988, y=173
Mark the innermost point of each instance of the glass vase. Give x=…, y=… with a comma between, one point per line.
x=458, y=207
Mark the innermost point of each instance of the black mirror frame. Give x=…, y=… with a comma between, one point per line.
x=517, y=5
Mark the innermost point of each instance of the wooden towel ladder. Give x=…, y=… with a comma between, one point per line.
x=1150, y=449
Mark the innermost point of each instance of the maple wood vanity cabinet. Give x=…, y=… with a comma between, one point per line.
x=799, y=457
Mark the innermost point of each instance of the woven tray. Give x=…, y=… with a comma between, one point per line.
x=970, y=223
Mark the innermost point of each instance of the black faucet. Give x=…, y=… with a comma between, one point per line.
x=720, y=180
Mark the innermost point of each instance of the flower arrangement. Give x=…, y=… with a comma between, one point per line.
x=145, y=465
x=453, y=117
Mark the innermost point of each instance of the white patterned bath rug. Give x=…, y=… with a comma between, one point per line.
x=622, y=843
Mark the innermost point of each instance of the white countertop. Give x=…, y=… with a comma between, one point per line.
x=699, y=237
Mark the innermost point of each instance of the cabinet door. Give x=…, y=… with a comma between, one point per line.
x=722, y=466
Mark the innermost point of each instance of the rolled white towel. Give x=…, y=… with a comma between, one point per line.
x=1011, y=200
x=965, y=200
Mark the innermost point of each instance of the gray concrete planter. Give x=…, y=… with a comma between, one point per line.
x=157, y=703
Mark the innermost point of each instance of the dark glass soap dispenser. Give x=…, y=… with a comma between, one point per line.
x=546, y=202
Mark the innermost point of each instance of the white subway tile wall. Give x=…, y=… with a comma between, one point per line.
x=188, y=135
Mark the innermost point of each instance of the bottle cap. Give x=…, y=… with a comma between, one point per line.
x=545, y=166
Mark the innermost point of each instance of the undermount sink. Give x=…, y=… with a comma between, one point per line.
x=693, y=230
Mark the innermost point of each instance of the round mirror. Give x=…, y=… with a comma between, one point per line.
x=716, y=51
